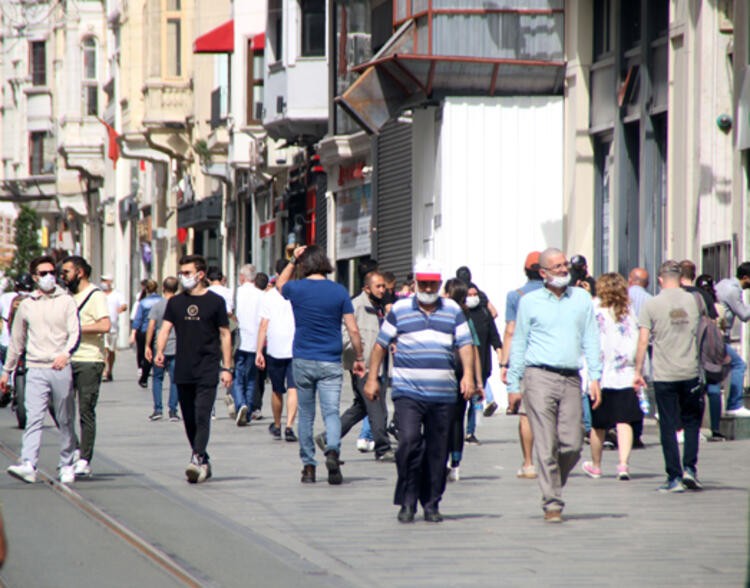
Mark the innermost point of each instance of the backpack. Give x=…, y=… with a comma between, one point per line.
x=713, y=358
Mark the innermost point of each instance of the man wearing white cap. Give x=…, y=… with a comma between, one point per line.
x=116, y=305
x=427, y=330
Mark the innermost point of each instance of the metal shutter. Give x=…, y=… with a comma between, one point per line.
x=321, y=212
x=393, y=199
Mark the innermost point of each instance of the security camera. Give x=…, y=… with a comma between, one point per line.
x=724, y=122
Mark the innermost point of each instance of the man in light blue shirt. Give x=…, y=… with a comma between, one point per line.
x=637, y=284
x=554, y=327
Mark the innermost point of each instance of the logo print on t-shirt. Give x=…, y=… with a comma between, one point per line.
x=192, y=312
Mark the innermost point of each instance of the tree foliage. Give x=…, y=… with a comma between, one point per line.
x=27, y=240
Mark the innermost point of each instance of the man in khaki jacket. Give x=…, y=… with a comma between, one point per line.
x=369, y=311
x=46, y=327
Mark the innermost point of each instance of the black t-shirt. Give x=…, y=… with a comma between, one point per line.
x=196, y=321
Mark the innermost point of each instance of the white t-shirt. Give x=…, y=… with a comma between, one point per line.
x=280, y=333
x=248, y=304
x=115, y=300
x=226, y=294
x=6, y=303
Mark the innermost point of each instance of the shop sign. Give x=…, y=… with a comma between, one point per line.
x=349, y=173
x=268, y=229
x=353, y=222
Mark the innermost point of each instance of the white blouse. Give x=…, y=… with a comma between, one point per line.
x=619, y=341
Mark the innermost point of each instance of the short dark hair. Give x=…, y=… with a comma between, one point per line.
x=743, y=270
x=197, y=260
x=214, y=274
x=389, y=277
x=79, y=263
x=37, y=261
x=314, y=261
x=170, y=284
x=687, y=269
x=261, y=281
x=280, y=265
x=370, y=275
x=151, y=286
x=464, y=273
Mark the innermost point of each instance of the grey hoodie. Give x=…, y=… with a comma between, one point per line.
x=45, y=326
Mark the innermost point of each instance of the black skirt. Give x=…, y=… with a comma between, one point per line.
x=619, y=405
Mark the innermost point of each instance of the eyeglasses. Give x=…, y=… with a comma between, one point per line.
x=558, y=267
x=45, y=273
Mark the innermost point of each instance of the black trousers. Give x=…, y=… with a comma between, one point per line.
x=140, y=354
x=196, y=402
x=260, y=389
x=376, y=410
x=424, y=428
x=456, y=443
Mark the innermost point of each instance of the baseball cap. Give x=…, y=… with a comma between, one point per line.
x=532, y=259
x=106, y=277
x=427, y=270
x=578, y=261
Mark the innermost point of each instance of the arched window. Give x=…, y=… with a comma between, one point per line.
x=90, y=83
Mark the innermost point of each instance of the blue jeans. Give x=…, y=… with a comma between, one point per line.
x=245, y=374
x=736, y=380
x=680, y=405
x=158, y=384
x=586, y=405
x=323, y=378
x=366, y=431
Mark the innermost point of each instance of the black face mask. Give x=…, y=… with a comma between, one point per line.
x=73, y=284
x=375, y=300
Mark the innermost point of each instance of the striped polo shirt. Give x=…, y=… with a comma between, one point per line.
x=424, y=365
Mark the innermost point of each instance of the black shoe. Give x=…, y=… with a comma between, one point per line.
x=334, y=468
x=155, y=416
x=308, y=474
x=275, y=431
x=388, y=456
x=490, y=409
x=433, y=516
x=289, y=435
x=143, y=383
x=173, y=416
x=406, y=514
x=638, y=444
x=392, y=430
x=472, y=439
x=716, y=436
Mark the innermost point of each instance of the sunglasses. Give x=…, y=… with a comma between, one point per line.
x=46, y=273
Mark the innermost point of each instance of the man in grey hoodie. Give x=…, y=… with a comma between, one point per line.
x=47, y=329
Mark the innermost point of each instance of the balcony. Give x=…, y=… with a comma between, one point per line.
x=167, y=104
x=81, y=144
x=39, y=108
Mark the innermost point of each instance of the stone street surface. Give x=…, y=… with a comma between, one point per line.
x=254, y=524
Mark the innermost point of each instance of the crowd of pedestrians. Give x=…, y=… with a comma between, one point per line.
x=578, y=355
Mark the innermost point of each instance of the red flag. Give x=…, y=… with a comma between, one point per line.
x=114, y=149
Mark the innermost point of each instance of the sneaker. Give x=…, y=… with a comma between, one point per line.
x=674, y=485
x=387, y=456
x=740, y=412
x=173, y=417
x=716, y=436
x=67, y=475
x=591, y=471
x=333, y=465
x=76, y=455
x=690, y=480
x=454, y=474
x=155, y=416
x=143, y=383
x=231, y=410
x=472, y=439
x=275, y=431
x=193, y=471
x=553, y=516
x=623, y=472
x=205, y=472
x=289, y=435
x=241, y=419
x=490, y=409
x=527, y=472
x=256, y=416
x=392, y=430
x=23, y=471
x=320, y=441
x=365, y=445
x=82, y=468
x=638, y=444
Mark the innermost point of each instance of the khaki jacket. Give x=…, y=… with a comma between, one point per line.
x=369, y=327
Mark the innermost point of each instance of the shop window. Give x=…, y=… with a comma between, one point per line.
x=313, y=28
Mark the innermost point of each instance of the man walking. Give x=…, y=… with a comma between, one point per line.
x=140, y=326
x=554, y=327
x=248, y=305
x=46, y=328
x=116, y=304
x=637, y=284
x=155, y=319
x=427, y=331
x=276, y=337
x=199, y=318
x=533, y=282
x=88, y=360
x=369, y=312
x=670, y=319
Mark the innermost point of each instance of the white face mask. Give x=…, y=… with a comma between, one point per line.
x=472, y=301
x=558, y=281
x=427, y=297
x=189, y=282
x=47, y=283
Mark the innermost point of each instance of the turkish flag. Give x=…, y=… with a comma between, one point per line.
x=113, y=151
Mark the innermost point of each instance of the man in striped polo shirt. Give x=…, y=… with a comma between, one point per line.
x=427, y=330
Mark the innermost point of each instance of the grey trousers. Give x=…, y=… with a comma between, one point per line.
x=41, y=383
x=553, y=405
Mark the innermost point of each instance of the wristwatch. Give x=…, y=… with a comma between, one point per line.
x=504, y=365
x=230, y=370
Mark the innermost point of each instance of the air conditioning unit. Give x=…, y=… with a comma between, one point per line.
x=358, y=48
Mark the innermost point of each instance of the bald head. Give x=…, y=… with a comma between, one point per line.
x=548, y=254
x=638, y=277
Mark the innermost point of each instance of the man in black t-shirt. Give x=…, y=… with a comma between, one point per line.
x=199, y=318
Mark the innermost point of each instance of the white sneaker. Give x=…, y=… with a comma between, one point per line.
x=741, y=412
x=362, y=445
x=454, y=474
x=76, y=455
x=82, y=468
x=681, y=436
x=67, y=473
x=241, y=420
x=23, y=471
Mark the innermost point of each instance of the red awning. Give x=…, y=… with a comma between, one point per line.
x=218, y=40
x=259, y=42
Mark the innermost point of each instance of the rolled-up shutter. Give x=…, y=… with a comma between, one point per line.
x=393, y=199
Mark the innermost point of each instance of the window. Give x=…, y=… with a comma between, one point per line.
x=41, y=156
x=39, y=63
x=254, y=80
x=313, y=28
x=602, y=28
x=174, y=45
x=90, y=85
x=716, y=260
x=275, y=30
x=631, y=24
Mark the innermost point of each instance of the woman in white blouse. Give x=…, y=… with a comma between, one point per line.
x=618, y=331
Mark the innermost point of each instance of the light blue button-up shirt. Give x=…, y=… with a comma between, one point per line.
x=555, y=332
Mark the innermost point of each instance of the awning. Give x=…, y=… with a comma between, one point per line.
x=218, y=40
x=259, y=42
